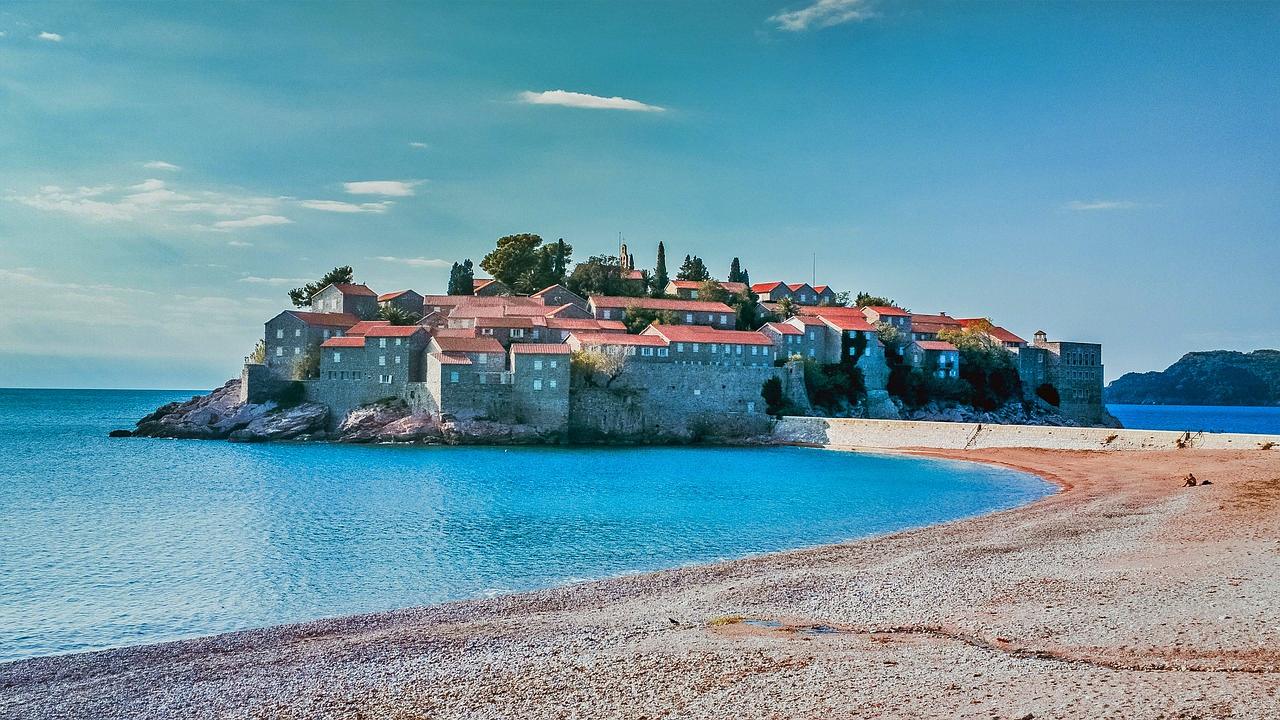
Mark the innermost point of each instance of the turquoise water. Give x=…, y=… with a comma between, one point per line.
x=1198, y=418
x=110, y=542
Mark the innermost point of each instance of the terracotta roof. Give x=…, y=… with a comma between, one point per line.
x=392, y=295
x=477, y=283
x=588, y=338
x=347, y=341
x=888, y=310
x=342, y=320
x=797, y=286
x=632, y=274
x=996, y=331
x=540, y=349
x=820, y=289
x=468, y=344
x=567, y=307
x=459, y=300
x=704, y=334
x=549, y=288
x=454, y=332
x=784, y=329
x=808, y=319
x=605, y=301
x=765, y=286
x=733, y=287
x=504, y=322
x=588, y=324
x=934, y=345
x=364, y=326
x=394, y=330
x=934, y=320
x=848, y=322
x=354, y=289
x=451, y=358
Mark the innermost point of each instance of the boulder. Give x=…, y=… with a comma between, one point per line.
x=299, y=422
x=411, y=428
x=366, y=423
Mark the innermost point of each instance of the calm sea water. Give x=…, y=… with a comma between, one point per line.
x=1197, y=418
x=110, y=542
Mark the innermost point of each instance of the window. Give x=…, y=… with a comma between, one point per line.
x=688, y=317
x=486, y=331
x=631, y=349
x=279, y=352
x=662, y=352
x=385, y=379
x=646, y=352
x=326, y=333
x=754, y=349
x=337, y=357
x=553, y=364
x=382, y=360
x=297, y=350
x=739, y=349
x=727, y=348
x=714, y=348
x=697, y=392
x=551, y=384
x=397, y=342
x=537, y=364
x=382, y=342
x=517, y=332
x=397, y=359
x=297, y=333
x=724, y=319
x=751, y=407
x=852, y=352
x=482, y=359
x=693, y=294
x=280, y=334
x=537, y=383
x=811, y=354
x=453, y=376
x=679, y=347
x=606, y=314
x=695, y=346
x=536, y=333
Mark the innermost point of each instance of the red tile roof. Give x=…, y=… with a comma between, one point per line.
x=809, y=319
x=784, y=329
x=765, y=286
x=848, y=322
x=796, y=286
x=549, y=288
x=454, y=332
x=504, y=322
x=593, y=339
x=934, y=345
x=478, y=283
x=540, y=349
x=604, y=301
x=704, y=334
x=392, y=295
x=348, y=341
x=632, y=274
x=888, y=310
x=342, y=320
x=996, y=331
x=354, y=289
x=468, y=344
x=451, y=358
x=733, y=287
x=364, y=326
x=820, y=289
x=935, y=320
x=394, y=330
x=588, y=324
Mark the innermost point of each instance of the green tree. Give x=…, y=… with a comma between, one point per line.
x=985, y=365
x=301, y=297
x=771, y=391
x=787, y=308
x=462, y=279
x=602, y=275
x=746, y=305
x=660, y=277
x=735, y=271
x=561, y=255
x=397, y=315
x=841, y=299
x=891, y=336
x=259, y=354
x=712, y=291
x=514, y=260
x=865, y=299
x=637, y=319
x=693, y=269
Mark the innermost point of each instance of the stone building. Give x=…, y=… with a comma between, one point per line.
x=643, y=348
x=558, y=295
x=934, y=357
x=683, y=312
x=540, y=395
x=488, y=287
x=689, y=289
x=349, y=298
x=407, y=300
x=772, y=292
x=1069, y=371
x=701, y=345
x=897, y=317
x=290, y=336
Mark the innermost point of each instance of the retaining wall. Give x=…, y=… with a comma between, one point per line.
x=891, y=434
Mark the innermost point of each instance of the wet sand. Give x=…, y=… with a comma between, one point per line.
x=1126, y=595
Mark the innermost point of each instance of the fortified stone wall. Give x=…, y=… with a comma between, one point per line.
x=343, y=396
x=897, y=434
x=649, y=403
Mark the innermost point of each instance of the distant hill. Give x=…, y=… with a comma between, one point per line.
x=1217, y=377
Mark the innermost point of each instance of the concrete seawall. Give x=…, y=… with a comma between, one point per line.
x=891, y=434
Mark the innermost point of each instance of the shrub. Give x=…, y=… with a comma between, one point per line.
x=771, y=391
x=291, y=394
x=1049, y=394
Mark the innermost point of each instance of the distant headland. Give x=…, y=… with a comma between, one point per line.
x=1216, y=377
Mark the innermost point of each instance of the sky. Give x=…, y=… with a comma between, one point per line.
x=1107, y=172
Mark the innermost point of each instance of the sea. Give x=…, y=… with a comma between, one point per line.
x=109, y=542
x=1199, y=418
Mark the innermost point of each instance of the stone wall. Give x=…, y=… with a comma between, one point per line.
x=343, y=396
x=258, y=384
x=895, y=434
x=664, y=403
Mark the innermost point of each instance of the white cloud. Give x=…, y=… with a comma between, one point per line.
x=392, y=188
x=416, y=262
x=151, y=200
x=148, y=185
x=239, y=243
x=583, y=100
x=50, y=36
x=418, y=145
x=161, y=165
x=339, y=206
x=1085, y=205
x=255, y=221
x=254, y=279
x=823, y=14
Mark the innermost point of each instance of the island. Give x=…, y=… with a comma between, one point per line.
x=1216, y=377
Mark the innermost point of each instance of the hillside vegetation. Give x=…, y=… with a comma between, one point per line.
x=1218, y=377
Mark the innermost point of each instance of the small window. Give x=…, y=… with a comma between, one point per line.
x=482, y=359
x=754, y=349
x=697, y=392
x=326, y=333
x=551, y=384
x=279, y=352
x=662, y=352
x=631, y=349
x=553, y=364
x=535, y=334
x=688, y=317
x=397, y=342
x=693, y=294
x=486, y=331
x=517, y=332
x=382, y=360
x=297, y=333
x=453, y=376
x=739, y=349
x=382, y=342
x=606, y=314
x=695, y=346
x=679, y=347
x=715, y=349
x=297, y=350
x=537, y=364
x=280, y=334
x=646, y=352
x=810, y=352
x=537, y=383
x=724, y=319
x=337, y=357
x=810, y=334
x=751, y=407
x=397, y=359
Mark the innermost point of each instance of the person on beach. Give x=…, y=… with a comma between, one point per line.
x=1191, y=480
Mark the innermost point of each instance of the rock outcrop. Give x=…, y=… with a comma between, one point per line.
x=220, y=415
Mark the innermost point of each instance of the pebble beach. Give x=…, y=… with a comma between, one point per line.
x=1125, y=595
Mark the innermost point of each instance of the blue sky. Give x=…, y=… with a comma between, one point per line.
x=1108, y=172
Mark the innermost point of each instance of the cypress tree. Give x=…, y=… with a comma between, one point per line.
x=660, y=278
x=735, y=271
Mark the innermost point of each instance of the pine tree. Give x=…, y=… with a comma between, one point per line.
x=735, y=271
x=693, y=269
x=660, y=278
x=453, y=280
x=559, y=266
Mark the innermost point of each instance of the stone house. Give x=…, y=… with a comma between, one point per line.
x=689, y=289
x=506, y=330
x=701, y=345
x=645, y=348
x=803, y=293
x=845, y=330
x=1073, y=369
x=488, y=287
x=826, y=296
x=540, y=385
x=292, y=334
x=406, y=300
x=349, y=298
x=485, y=355
x=1006, y=339
x=772, y=292
x=927, y=327
x=813, y=341
x=897, y=317
x=394, y=353
x=557, y=295
x=683, y=312
x=787, y=339
x=934, y=357
x=558, y=329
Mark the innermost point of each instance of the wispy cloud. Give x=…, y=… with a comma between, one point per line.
x=418, y=145
x=161, y=165
x=255, y=280
x=50, y=36
x=151, y=200
x=239, y=243
x=250, y=222
x=1086, y=205
x=391, y=188
x=823, y=14
x=339, y=206
x=566, y=98
x=416, y=262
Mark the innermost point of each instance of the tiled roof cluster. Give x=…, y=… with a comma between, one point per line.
x=608, y=301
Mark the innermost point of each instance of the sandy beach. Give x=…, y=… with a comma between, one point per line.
x=1125, y=595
